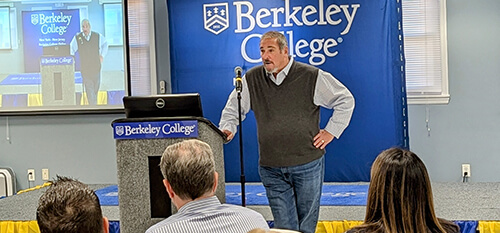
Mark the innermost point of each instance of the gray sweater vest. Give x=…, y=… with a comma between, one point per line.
x=287, y=118
x=90, y=63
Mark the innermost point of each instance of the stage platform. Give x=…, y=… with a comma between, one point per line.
x=453, y=201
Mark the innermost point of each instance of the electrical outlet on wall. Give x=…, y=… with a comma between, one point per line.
x=465, y=170
x=45, y=174
x=31, y=174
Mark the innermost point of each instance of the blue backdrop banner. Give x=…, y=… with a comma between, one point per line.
x=359, y=42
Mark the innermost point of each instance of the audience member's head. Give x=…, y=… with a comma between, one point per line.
x=69, y=206
x=189, y=171
x=400, y=196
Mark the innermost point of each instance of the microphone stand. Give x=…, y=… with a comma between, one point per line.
x=242, y=167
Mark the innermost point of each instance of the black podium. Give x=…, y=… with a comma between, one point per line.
x=140, y=142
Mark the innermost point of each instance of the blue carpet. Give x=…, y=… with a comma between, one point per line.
x=333, y=195
x=30, y=79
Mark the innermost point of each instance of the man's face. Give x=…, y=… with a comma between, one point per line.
x=273, y=58
x=86, y=28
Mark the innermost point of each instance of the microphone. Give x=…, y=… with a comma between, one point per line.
x=238, y=84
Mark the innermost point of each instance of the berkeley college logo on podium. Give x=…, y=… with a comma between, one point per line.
x=216, y=17
x=119, y=130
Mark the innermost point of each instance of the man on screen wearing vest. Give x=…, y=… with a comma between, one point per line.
x=285, y=97
x=92, y=47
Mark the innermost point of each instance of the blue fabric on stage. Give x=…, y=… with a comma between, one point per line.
x=114, y=226
x=115, y=97
x=255, y=194
x=15, y=100
x=108, y=196
x=332, y=195
x=467, y=226
x=357, y=42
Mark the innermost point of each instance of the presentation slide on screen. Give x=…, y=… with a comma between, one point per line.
x=61, y=55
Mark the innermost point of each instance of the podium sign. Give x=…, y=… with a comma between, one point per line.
x=58, y=80
x=156, y=129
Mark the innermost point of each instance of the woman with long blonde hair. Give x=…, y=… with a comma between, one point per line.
x=400, y=197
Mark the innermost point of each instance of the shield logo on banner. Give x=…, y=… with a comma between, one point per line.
x=34, y=19
x=119, y=130
x=216, y=17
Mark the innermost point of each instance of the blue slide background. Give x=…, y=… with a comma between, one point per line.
x=46, y=28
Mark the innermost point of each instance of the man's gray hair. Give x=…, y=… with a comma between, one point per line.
x=86, y=21
x=189, y=167
x=280, y=38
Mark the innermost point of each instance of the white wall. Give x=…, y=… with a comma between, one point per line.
x=79, y=146
x=467, y=130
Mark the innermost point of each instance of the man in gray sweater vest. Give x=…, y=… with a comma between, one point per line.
x=285, y=97
x=92, y=47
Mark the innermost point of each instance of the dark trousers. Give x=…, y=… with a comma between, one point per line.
x=91, y=84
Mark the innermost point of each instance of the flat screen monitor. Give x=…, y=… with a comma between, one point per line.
x=167, y=105
x=64, y=56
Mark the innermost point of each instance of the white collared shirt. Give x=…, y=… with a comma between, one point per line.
x=209, y=215
x=103, y=43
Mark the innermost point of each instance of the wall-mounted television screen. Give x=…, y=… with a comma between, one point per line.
x=61, y=56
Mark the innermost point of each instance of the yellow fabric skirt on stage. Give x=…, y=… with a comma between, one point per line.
x=489, y=226
x=323, y=226
x=336, y=226
x=19, y=227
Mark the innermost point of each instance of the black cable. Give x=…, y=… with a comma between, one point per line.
x=28, y=179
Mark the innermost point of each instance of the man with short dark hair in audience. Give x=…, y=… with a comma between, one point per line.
x=188, y=168
x=69, y=206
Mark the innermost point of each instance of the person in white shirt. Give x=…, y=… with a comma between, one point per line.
x=92, y=47
x=285, y=96
x=188, y=168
